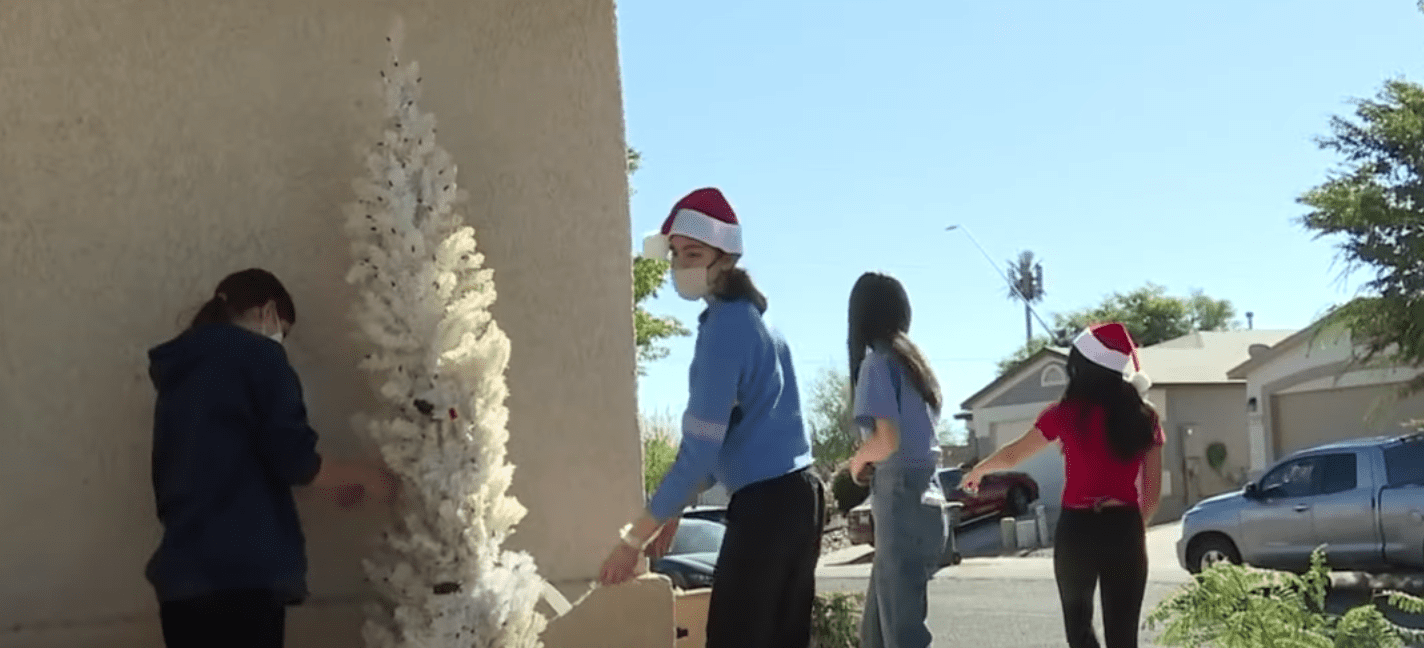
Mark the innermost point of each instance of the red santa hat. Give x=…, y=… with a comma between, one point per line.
x=703, y=215
x=1110, y=345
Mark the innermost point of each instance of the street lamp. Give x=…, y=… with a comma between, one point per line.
x=987, y=257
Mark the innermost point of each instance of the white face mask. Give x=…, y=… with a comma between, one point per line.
x=691, y=283
x=275, y=337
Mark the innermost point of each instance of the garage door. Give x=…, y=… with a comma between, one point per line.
x=1311, y=418
x=1046, y=467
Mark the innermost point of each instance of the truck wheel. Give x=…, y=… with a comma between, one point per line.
x=1018, y=501
x=1209, y=550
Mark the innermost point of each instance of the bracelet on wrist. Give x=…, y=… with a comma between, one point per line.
x=625, y=535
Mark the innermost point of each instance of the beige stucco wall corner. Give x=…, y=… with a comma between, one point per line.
x=637, y=614
x=150, y=147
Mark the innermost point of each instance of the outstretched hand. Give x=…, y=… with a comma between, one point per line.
x=970, y=483
x=861, y=471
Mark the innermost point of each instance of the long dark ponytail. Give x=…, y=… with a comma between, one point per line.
x=880, y=316
x=242, y=291
x=736, y=283
x=1131, y=421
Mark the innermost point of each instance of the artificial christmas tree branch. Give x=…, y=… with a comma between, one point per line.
x=437, y=361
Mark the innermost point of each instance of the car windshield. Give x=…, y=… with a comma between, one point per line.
x=697, y=536
x=949, y=479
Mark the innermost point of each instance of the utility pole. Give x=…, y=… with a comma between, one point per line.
x=1003, y=276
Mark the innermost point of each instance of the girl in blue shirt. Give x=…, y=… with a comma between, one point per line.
x=742, y=428
x=897, y=401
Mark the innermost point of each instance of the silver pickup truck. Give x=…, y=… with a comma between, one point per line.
x=1362, y=498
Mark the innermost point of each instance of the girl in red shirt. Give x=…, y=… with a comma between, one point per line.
x=1111, y=437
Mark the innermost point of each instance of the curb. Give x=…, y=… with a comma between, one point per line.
x=1412, y=583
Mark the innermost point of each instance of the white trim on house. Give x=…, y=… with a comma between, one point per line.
x=1053, y=376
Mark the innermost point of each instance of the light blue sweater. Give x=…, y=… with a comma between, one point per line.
x=743, y=421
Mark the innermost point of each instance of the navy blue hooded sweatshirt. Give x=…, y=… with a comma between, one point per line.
x=230, y=441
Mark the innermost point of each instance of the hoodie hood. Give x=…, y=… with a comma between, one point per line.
x=169, y=363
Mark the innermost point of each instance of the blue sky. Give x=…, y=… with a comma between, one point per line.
x=1120, y=141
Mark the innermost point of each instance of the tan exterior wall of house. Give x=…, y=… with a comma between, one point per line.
x=152, y=146
x=1313, y=392
x=1199, y=416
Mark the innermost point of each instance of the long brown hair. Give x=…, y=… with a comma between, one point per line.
x=880, y=316
x=735, y=283
x=242, y=291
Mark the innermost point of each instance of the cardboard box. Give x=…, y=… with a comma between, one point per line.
x=689, y=615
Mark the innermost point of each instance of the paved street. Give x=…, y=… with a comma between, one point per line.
x=995, y=613
x=993, y=602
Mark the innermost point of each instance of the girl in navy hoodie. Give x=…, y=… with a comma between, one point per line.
x=230, y=442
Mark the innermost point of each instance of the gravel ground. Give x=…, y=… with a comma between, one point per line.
x=835, y=537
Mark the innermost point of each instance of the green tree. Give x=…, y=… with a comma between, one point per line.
x=834, y=439
x=1374, y=203
x=1153, y=316
x=659, y=449
x=1025, y=352
x=1230, y=606
x=1148, y=312
x=649, y=330
x=1026, y=285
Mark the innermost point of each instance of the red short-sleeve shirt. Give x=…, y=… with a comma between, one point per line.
x=1091, y=471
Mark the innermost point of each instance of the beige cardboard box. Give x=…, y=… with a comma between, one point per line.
x=690, y=617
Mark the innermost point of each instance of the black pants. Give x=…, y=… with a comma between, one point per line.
x=766, y=574
x=233, y=619
x=1107, y=547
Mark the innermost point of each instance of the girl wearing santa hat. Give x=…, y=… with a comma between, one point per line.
x=897, y=401
x=742, y=428
x=1112, y=441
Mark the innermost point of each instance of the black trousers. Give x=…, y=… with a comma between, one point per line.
x=233, y=619
x=765, y=581
x=1107, y=547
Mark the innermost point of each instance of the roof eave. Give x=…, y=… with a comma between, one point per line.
x=968, y=403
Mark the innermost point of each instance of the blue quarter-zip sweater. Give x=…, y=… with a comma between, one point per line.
x=743, y=421
x=230, y=441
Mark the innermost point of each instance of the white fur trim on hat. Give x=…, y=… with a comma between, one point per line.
x=693, y=224
x=1094, y=350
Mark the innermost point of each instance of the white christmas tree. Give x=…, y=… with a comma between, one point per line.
x=437, y=360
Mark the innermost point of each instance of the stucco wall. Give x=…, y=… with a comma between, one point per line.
x=1320, y=364
x=151, y=146
x=1198, y=416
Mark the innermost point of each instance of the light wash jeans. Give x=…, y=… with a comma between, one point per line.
x=909, y=540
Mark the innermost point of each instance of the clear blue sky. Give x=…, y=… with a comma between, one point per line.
x=1121, y=141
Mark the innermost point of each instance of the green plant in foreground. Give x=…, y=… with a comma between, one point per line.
x=1230, y=606
x=835, y=620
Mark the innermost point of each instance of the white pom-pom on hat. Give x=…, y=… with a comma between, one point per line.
x=1140, y=381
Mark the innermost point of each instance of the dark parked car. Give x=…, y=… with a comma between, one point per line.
x=709, y=513
x=1001, y=493
x=692, y=559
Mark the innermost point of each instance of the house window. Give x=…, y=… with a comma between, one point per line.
x=1053, y=376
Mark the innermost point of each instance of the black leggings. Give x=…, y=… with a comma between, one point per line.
x=766, y=573
x=231, y=619
x=1110, y=547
